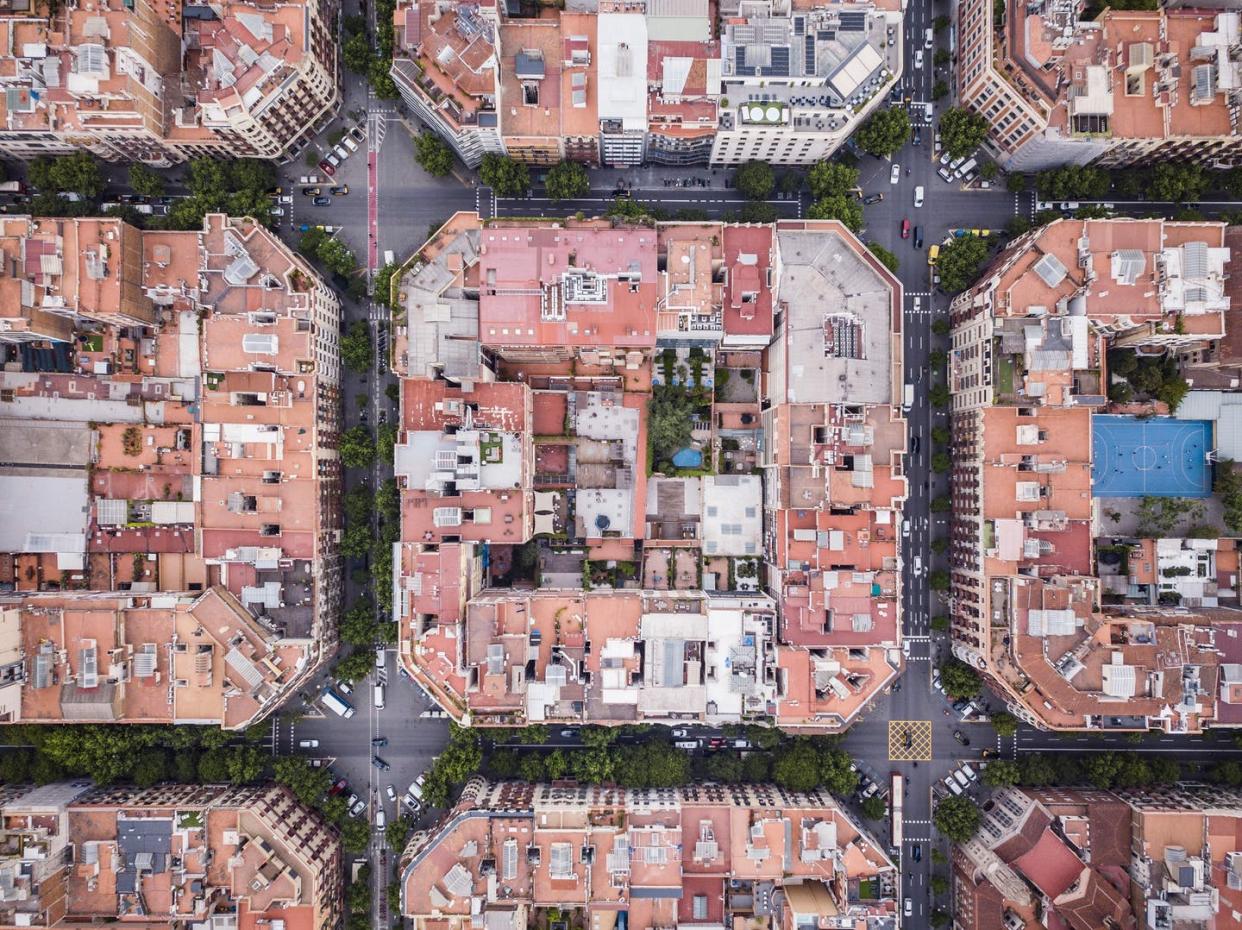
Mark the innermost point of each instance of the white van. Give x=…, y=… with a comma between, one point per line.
x=965, y=169
x=918, y=196
x=389, y=257
x=379, y=697
x=961, y=779
x=918, y=565
x=381, y=818
x=928, y=38
x=381, y=656
x=918, y=59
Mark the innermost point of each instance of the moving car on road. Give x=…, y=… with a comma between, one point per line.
x=872, y=198
x=322, y=201
x=918, y=196
x=905, y=229
x=895, y=175
x=340, y=191
x=310, y=192
x=308, y=744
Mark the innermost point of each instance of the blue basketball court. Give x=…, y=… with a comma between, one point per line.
x=1158, y=457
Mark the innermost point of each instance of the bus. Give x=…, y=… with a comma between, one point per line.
x=895, y=809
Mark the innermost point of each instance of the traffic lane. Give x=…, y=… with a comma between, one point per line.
x=1201, y=745
x=715, y=203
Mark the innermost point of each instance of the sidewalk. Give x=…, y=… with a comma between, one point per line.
x=653, y=176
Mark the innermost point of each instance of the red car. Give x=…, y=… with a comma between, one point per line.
x=327, y=168
x=338, y=787
x=905, y=229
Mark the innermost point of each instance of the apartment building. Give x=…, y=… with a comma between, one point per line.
x=1028, y=374
x=132, y=80
x=530, y=354
x=177, y=658
x=512, y=852
x=172, y=435
x=195, y=855
x=683, y=81
x=1126, y=88
x=833, y=475
x=795, y=83
x=1086, y=859
x=446, y=68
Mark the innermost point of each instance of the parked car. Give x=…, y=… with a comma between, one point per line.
x=391, y=791
x=872, y=198
x=308, y=744
x=322, y=201
x=681, y=733
x=340, y=191
x=357, y=133
x=568, y=734
x=277, y=211
x=327, y=168
x=310, y=192
x=356, y=809
x=345, y=687
x=687, y=744
x=350, y=144
x=338, y=786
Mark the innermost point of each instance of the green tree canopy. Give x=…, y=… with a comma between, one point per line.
x=1001, y=773
x=144, y=181
x=843, y=207
x=356, y=347
x=886, y=132
x=962, y=131
x=1178, y=182
x=567, y=180
x=887, y=258
x=830, y=178
x=508, y=178
x=433, y=154
x=755, y=179
x=959, y=679
x=874, y=808
x=960, y=262
x=957, y=818
x=357, y=447
x=1004, y=723
x=356, y=53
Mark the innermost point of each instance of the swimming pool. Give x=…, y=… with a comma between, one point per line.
x=1157, y=457
x=688, y=458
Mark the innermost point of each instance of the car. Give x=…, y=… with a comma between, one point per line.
x=356, y=809
x=327, y=167
x=872, y=198
x=918, y=196
x=964, y=740
x=687, y=744
x=715, y=742
x=945, y=158
x=286, y=198
x=905, y=527
x=918, y=237
x=381, y=818
x=391, y=791
x=933, y=253
x=952, y=785
x=945, y=175
x=916, y=853
x=918, y=565
x=895, y=174
x=379, y=742
x=340, y=190
x=918, y=59
x=905, y=229
x=338, y=786
x=928, y=38
x=909, y=907
x=310, y=192
x=308, y=744
x=167, y=201
x=960, y=704
x=968, y=772
x=333, y=159
x=276, y=191
x=962, y=779
x=349, y=144
x=918, y=135
x=740, y=743
x=681, y=733
x=344, y=686
x=568, y=734
x=380, y=764
x=357, y=133
x=322, y=201
x=915, y=443
x=277, y=211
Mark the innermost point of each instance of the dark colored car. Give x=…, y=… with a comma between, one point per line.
x=918, y=237
x=311, y=192
x=917, y=853
x=322, y=201
x=380, y=764
x=358, y=134
x=379, y=741
x=872, y=198
x=340, y=191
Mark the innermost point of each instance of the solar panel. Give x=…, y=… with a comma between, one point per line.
x=510, y=862
x=825, y=35
x=780, y=60
x=1195, y=259
x=853, y=21
x=739, y=59
x=809, y=62
x=799, y=25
